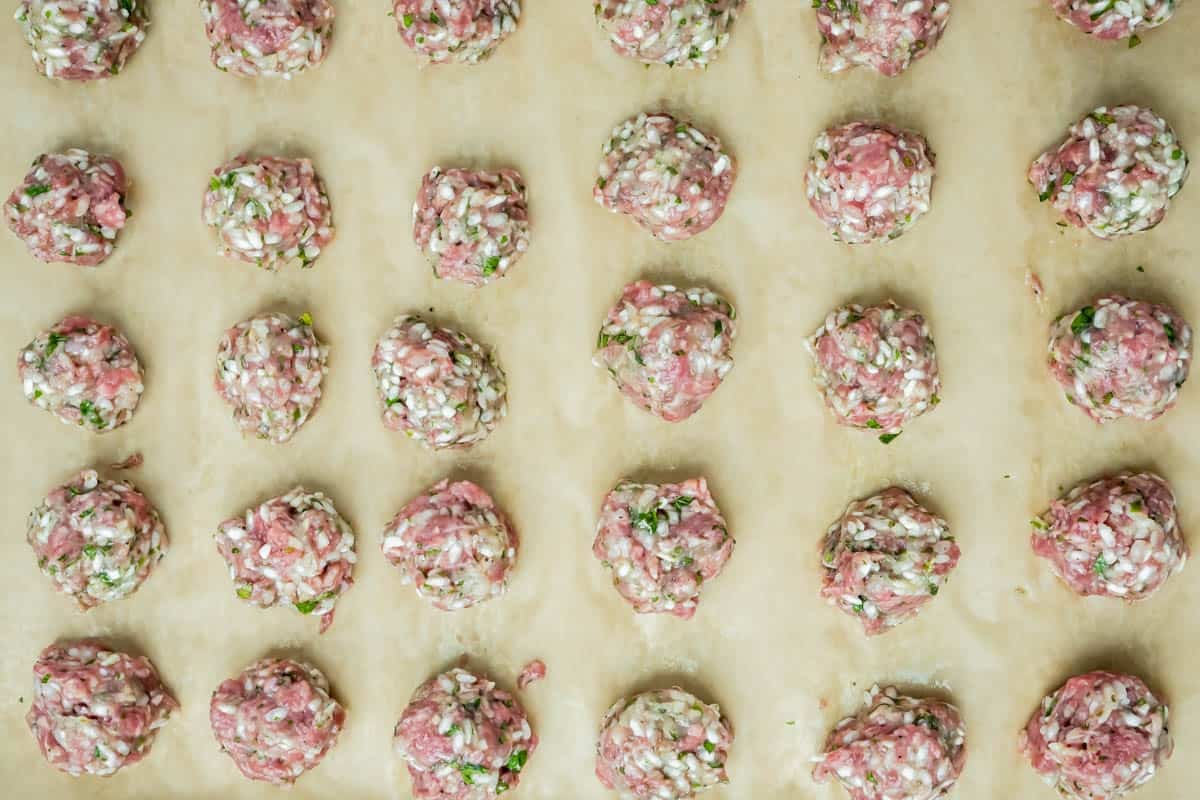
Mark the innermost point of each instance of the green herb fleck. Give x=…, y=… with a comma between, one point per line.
x=1083, y=320
x=888, y=438
x=516, y=761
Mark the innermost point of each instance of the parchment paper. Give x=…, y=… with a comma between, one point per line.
x=1006, y=81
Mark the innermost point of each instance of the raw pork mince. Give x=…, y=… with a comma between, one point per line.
x=678, y=33
x=883, y=35
x=274, y=38
x=82, y=40
x=1114, y=20
x=456, y=31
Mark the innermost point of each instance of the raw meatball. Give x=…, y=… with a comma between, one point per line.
x=70, y=207
x=663, y=745
x=1117, y=537
x=97, y=540
x=670, y=177
x=95, y=710
x=463, y=739
x=454, y=544
x=459, y=31
x=269, y=211
x=275, y=38
x=276, y=720
x=1116, y=172
x=885, y=558
x=437, y=385
x=667, y=349
x=292, y=550
x=1098, y=736
x=269, y=369
x=884, y=35
x=896, y=748
x=472, y=226
x=82, y=40
x=678, y=33
x=661, y=543
x=82, y=372
x=869, y=182
x=1106, y=20
x=1121, y=358
x=876, y=367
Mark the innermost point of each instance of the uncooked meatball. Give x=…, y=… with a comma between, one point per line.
x=456, y=31
x=678, y=33
x=273, y=38
x=1113, y=20
x=883, y=35
x=82, y=40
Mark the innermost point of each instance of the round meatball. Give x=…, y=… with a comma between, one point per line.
x=667, y=350
x=662, y=543
x=269, y=211
x=670, y=177
x=269, y=369
x=885, y=558
x=1116, y=172
x=678, y=33
x=82, y=372
x=876, y=367
x=1098, y=736
x=869, y=182
x=70, y=207
x=455, y=31
x=438, y=385
x=663, y=745
x=95, y=710
x=1114, y=20
x=454, y=544
x=276, y=720
x=471, y=225
x=1121, y=358
x=895, y=748
x=293, y=550
x=275, y=38
x=82, y=40
x=1116, y=537
x=97, y=540
x=463, y=739
x=881, y=34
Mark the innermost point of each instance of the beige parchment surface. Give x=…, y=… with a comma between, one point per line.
x=1004, y=85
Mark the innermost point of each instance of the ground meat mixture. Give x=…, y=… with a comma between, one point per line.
x=1098, y=736
x=454, y=544
x=82, y=372
x=531, y=673
x=1108, y=19
x=94, y=710
x=1117, y=537
x=463, y=739
x=471, y=225
x=876, y=367
x=896, y=748
x=885, y=558
x=82, y=40
x=456, y=31
x=663, y=745
x=1116, y=172
x=438, y=385
x=294, y=550
x=275, y=38
x=869, y=182
x=70, y=207
x=662, y=543
x=276, y=720
x=678, y=33
x=1121, y=358
x=667, y=350
x=885, y=35
x=269, y=211
x=269, y=369
x=670, y=177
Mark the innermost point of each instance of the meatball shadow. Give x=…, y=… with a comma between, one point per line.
x=1119, y=275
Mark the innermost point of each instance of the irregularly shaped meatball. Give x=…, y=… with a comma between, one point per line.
x=678, y=33
x=437, y=385
x=1116, y=172
x=1113, y=20
x=273, y=38
x=463, y=739
x=82, y=372
x=1098, y=736
x=269, y=211
x=885, y=35
x=95, y=710
x=82, y=40
x=1121, y=358
x=668, y=350
x=869, y=182
x=70, y=207
x=670, y=177
x=455, y=31
x=276, y=720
